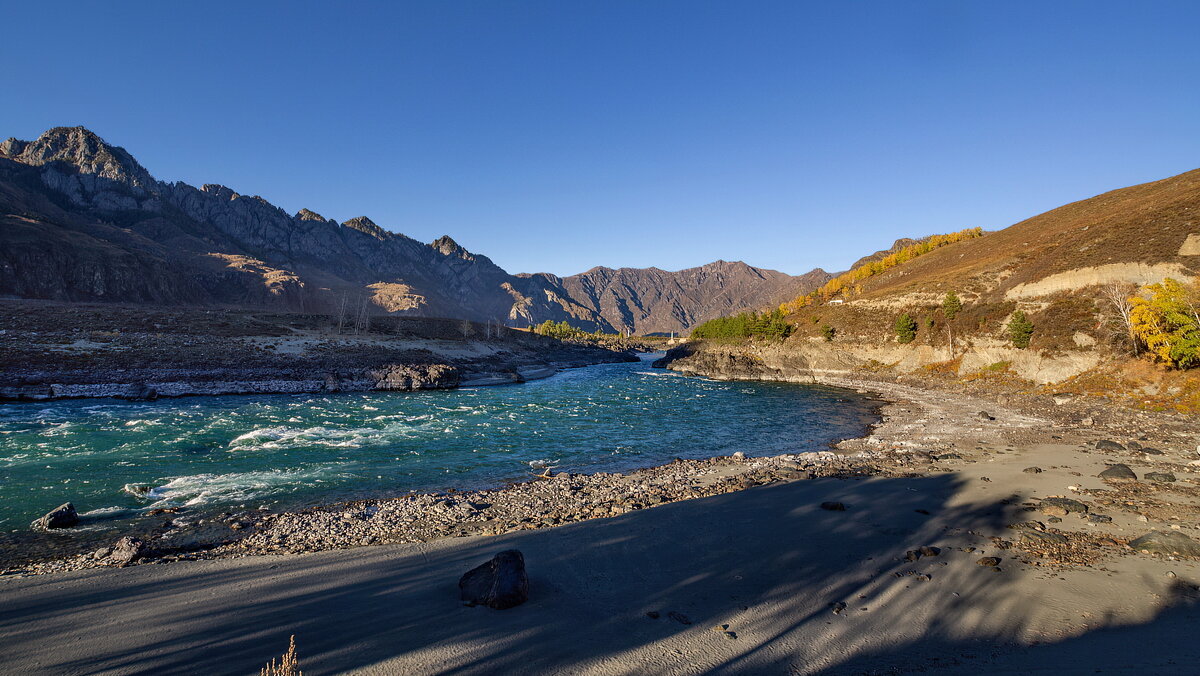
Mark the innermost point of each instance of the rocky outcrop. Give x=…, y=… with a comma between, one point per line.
x=806, y=361
x=406, y=377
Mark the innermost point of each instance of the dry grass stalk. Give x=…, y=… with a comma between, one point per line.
x=289, y=664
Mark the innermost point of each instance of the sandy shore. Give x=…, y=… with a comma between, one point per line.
x=767, y=561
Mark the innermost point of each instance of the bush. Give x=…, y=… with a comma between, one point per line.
x=1020, y=329
x=1168, y=322
x=829, y=332
x=906, y=328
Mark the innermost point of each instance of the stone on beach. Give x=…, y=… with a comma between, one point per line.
x=1166, y=542
x=500, y=583
x=1161, y=477
x=63, y=516
x=1118, y=471
x=1062, y=506
x=126, y=551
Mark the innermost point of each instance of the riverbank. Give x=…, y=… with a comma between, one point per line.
x=737, y=542
x=51, y=351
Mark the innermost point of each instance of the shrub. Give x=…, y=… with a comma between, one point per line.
x=1168, y=322
x=906, y=328
x=1020, y=329
x=829, y=332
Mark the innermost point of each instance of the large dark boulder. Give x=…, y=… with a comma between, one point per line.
x=1166, y=542
x=1118, y=471
x=500, y=583
x=64, y=516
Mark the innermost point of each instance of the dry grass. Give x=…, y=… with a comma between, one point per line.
x=288, y=665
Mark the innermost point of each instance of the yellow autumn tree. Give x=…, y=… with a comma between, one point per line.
x=1168, y=322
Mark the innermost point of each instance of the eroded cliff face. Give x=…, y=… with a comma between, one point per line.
x=82, y=220
x=808, y=361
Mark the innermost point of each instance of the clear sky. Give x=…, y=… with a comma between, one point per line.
x=559, y=135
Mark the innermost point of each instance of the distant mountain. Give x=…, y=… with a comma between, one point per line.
x=657, y=301
x=82, y=220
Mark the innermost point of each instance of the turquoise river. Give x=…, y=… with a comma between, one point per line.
x=117, y=460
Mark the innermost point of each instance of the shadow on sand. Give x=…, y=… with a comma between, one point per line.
x=767, y=561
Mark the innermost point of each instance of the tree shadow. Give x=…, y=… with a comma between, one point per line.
x=768, y=562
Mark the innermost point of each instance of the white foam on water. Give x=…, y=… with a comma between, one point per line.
x=201, y=489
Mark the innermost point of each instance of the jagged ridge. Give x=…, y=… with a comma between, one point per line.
x=83, y=220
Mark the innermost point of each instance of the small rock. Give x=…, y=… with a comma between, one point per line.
x=1108, y=445
x=1171, y=542
x=833, y=506
x=500, y=583
x=1059, y=505
x=63, y=516
x=838, y=608
x=1032, y=470
x=1118, y=471
x=1150, y=451
x=930, y=551
x=729, y=635
x=1161, y=477
x=948, y=456
x=653, y=614
x=1099, y=518
x=991, y=561
x=984, y=415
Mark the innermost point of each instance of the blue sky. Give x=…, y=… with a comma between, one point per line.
x=559, y=135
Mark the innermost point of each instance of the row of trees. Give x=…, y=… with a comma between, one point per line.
x=771, y=325
x=850, y=282
x=560, y=330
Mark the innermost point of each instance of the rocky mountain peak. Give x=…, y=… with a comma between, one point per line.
x=83, y=149
x=367, y=227
x=308, y=215
x=447, y=246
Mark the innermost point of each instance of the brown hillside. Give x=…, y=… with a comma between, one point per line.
x=1146, y=223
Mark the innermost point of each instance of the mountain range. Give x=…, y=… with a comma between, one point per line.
x=82, y=220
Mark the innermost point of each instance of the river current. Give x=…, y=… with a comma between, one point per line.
x=118, y=460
